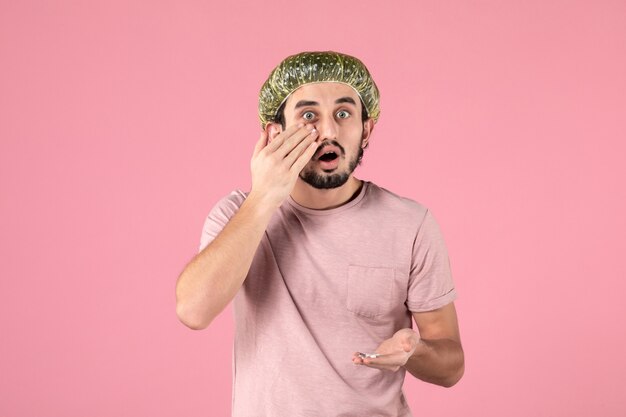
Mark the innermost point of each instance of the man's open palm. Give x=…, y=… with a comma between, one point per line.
x=395, y=352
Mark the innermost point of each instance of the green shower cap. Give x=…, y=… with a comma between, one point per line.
x=314, y=67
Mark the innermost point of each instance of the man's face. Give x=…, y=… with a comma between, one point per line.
x=335, y=111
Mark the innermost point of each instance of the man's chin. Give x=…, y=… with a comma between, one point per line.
x=324, y=180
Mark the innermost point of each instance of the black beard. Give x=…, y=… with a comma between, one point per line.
x=321, y=182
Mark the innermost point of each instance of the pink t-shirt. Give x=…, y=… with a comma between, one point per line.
x=322, y=285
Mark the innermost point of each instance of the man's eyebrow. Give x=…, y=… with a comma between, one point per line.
x=345, y=100
x=303, y=103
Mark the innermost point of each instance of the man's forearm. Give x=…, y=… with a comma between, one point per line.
x=213, y=277
x=437, y=361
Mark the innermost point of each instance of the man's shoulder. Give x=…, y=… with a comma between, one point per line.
x=236, y=197
x=229, y=203
x=394, y=202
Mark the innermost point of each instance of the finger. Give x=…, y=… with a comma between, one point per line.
x=382, y=367
x=373, y=364
x=282, y=136
x=260, y=144
x=356, y=357
x=392, y=359
x=291, y=142
x=410, y=343
x=301, y=148
x=305, y=157
x=405, y=344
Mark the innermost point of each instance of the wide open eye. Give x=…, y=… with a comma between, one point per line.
x=343, y=114
x=306, y=115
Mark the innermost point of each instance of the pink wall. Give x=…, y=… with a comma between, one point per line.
x=122, y=123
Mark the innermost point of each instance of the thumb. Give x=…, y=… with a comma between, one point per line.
x=407, y=343
x=260, y=144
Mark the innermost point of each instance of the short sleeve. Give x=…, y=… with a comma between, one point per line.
x=219, y=216
x=430, y=279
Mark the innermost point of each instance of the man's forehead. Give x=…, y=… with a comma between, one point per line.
x=322, y=91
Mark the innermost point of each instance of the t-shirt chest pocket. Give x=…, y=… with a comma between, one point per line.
x=370, y=290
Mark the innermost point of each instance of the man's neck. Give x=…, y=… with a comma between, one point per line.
x=325, y=199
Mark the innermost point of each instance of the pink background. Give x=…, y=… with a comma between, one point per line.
x=122, y=123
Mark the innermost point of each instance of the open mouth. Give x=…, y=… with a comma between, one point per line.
x=328, y=156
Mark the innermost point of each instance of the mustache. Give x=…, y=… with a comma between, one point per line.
x=332, y=142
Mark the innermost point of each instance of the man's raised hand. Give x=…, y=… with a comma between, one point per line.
x=275, y=166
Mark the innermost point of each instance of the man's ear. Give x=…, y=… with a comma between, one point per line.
x=272, y=129
x=368, y=127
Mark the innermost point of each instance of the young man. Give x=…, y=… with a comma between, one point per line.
x=326, y=271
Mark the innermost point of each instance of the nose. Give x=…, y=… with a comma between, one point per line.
x=327, y=128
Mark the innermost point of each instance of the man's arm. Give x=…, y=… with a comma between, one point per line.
x=213, y=277
x=438, y=357
x=434, y=356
